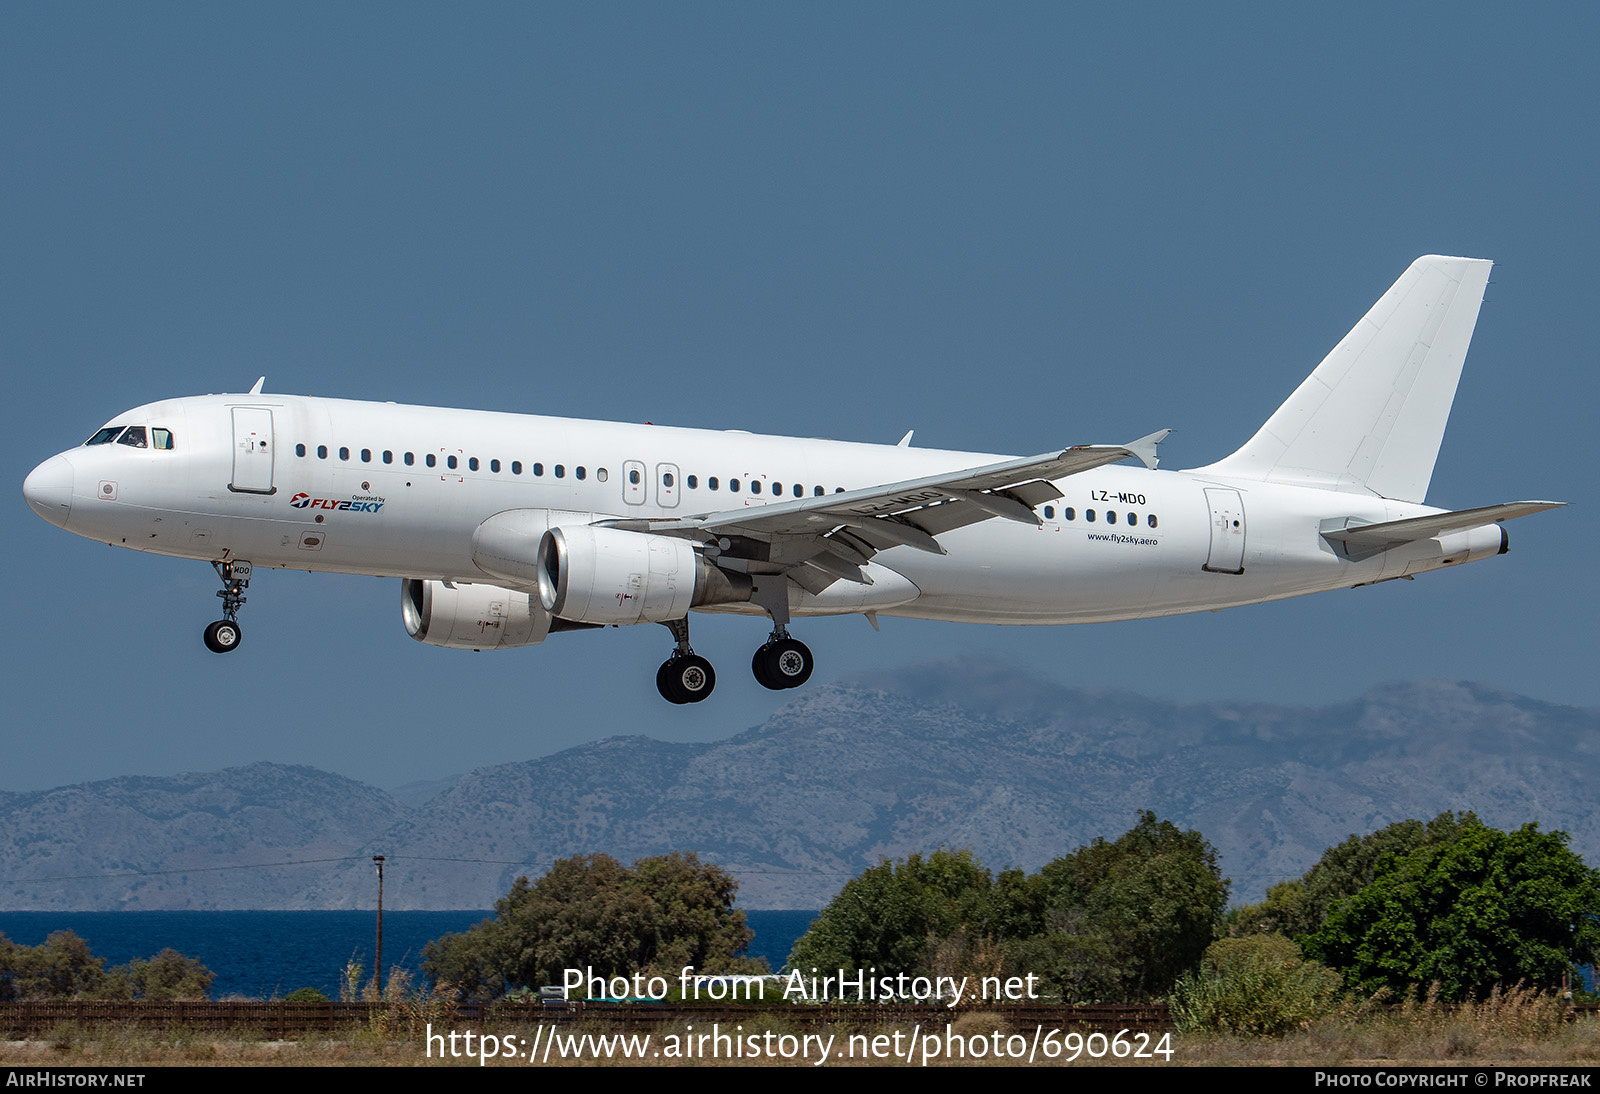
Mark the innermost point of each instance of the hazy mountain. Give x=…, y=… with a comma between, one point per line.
x=178, y=841
x=1014, y=767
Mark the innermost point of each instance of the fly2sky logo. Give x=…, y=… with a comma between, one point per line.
x=356, y=503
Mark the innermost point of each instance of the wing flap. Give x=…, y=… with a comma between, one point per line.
x=1026, y=479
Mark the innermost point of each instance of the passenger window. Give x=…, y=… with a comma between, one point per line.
x=1133, y=519
x=602, y=474
x=472, y=463
x=561, y=471
x=1111, y=516
x=580, y=472
x=799, y=491
x=733, y=486
x=633, y=476
x=755, y=486
x=410, y=459
x=817, y=491
x=1049, y=512
x=134, y=437
x=344, y=453
x=693, y=482
x=538, y=469
x=712, y=482
x=777, y=489
x=666, y=479
x=322, y=451
x=162, y=439
x=1088, y=515
x=366, y=455
x=450, y=462
x=516, y=467
x=1069, y=513
x=388, y=457
x=105, y=436
x=494, y=465
x=838, y=489
x=299, y=450
x=431, y=460
x=1151, y=520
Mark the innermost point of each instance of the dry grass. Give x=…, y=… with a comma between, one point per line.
x=1518, y=1026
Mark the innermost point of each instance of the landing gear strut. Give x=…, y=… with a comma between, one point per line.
x=685, y=677
x=783, y=662
x=223, y=635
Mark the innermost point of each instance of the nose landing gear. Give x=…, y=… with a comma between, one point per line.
x=223, y=636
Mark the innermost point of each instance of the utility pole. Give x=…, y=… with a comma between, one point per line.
x=377, y=972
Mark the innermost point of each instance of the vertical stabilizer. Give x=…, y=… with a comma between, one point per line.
x=1372, y=415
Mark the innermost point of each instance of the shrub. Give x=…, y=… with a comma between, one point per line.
x=1259, y=985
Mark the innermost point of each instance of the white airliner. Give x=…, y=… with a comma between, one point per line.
x=505, y=528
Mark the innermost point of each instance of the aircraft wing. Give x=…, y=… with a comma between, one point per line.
x=835, y=534
x=1394, y=532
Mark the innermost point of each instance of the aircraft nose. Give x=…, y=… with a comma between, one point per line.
x=49, y=490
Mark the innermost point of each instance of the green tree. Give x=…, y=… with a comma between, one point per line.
x=1484, y=908
x=1112, y=920
x=894, y=916
x=166, y=976
x=1124, y=919
x=590, y=911
x=1298, y=908
x=63, y=967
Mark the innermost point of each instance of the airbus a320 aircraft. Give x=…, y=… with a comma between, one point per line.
x=506, y=528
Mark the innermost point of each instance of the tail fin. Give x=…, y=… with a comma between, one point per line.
x=1372, y=415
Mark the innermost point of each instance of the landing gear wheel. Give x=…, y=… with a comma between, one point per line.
x=782, y=663
x=686, y=679
x=223, y=636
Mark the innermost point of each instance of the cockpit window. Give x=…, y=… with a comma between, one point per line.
x=105, y=436
x=160, y=438
x=134, y=437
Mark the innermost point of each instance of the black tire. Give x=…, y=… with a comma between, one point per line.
x=760, y=666
x=223, y=636
x=665, y=686
x=783, y=664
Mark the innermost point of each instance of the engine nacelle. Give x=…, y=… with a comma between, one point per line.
x=600, y=575
x=472, y=617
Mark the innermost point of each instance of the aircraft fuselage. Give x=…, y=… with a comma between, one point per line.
x=335, y=493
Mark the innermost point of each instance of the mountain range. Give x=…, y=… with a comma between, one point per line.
x=980, y=756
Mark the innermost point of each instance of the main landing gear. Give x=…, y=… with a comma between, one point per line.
x=686, y=677
x=223, y=635
x=783, y=662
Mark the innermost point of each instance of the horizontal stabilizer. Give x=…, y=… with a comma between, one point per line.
x=1394, y=532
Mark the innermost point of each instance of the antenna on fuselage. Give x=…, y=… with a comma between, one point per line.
x=257, y=389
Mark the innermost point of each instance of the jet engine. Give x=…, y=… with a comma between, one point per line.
x=592, y=574
x=472, y=617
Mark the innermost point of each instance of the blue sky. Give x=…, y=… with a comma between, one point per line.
x=1009, y=227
